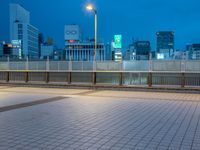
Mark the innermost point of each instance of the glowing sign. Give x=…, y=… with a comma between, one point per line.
x=71, y=41
x=118, y=41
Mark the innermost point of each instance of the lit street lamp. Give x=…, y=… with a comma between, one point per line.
x=90, y=7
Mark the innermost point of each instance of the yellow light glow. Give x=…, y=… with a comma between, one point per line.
x=89, y=7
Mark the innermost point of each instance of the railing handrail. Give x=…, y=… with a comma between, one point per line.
x=124, y=66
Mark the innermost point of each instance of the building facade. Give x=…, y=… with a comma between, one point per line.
x=84, y=51
x=108, y=52
x=59, y=54
x=165, y=44
x=142, y=50
x=139, y=50
x=7, y=49
x=79, y=50
x=193, y=51
x=47, y=51
x=23, y=31
x=40, y=42
x=1, y=48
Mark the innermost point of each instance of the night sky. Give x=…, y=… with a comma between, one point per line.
x=131, y=18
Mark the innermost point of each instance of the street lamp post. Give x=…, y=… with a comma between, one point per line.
x=91, y=8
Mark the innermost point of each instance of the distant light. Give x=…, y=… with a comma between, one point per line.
x=89, y=7
x=9, y=45
x=160, y=56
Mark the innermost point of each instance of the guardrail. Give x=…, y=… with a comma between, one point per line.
x=126, y=73
x=125, y=66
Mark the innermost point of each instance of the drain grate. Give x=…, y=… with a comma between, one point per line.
x=29, y=104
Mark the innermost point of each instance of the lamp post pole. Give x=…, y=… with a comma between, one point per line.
x=95, y=35
x=91, y=8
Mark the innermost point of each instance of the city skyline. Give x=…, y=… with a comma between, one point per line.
x=130, y=22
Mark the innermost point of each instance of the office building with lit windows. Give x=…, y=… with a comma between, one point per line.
x=165, y=44
x=23, y=33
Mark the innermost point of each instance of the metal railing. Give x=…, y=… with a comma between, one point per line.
x=105, y=66
x=126, y=73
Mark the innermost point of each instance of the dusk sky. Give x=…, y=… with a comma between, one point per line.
x=131, y=18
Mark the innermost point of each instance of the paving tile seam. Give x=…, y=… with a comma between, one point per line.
x=175, y=119
x=144, y=120
x=182, y=141
x=186, y=113
x=84, y=131
x=159, y=117
x=32, y=103
x=170, y=127
x=196, y=128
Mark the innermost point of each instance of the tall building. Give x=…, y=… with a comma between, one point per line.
x=59, y=54
x=108, y=52
x=165, y=44
x=47, y=51
x=40, y=42
x=142, y=50
x=130, y=53
x=139, y=50
x=1, y=48
x=179, y=55
x=23, y=31
x=193, y=51
x=78, y=49
x=7, y=49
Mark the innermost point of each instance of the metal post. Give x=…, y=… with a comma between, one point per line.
x=150, y=65
x=8, y=76
x=47, y=64
x=150, y=79
x=47, y=77
x=69, y=77
x=183, y=80
x=94, y=76
x=26, y=77
x=27, y=63
x=70, y=66
x=120, y=79
x=8, y=61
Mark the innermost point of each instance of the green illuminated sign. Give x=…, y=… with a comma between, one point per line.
x=118, y=41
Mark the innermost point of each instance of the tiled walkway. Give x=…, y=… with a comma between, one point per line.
x=101, y=120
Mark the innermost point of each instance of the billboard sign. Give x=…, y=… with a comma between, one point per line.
x=118, y=41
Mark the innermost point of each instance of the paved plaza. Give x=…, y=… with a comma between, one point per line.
x=73, y=119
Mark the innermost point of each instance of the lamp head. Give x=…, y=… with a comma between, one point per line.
x=89, y=7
